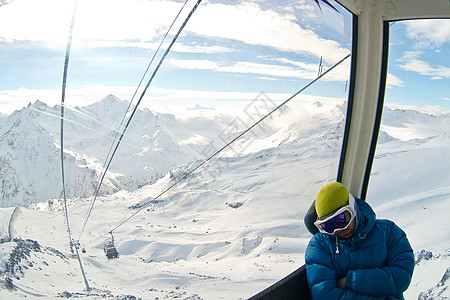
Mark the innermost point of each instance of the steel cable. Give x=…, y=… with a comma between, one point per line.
x=232, y=141
x=63, y=95
x=135, y=109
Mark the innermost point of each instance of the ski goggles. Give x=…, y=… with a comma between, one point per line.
x=339, y=220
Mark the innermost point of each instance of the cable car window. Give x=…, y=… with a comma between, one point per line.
x=198, y=133
x=409, y=180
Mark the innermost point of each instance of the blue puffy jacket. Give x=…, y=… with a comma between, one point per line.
x=377, y=260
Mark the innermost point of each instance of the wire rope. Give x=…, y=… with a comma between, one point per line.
x=135, y=93
x=232, y=141
x=135, y=109
x=63, y=96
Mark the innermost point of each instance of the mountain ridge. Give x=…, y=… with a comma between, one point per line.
x=153, y=145
x=30, y=152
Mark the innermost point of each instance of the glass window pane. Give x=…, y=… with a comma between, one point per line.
x=410, y=178
x=217, y=213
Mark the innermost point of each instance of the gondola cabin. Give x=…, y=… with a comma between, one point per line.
x=110, y=251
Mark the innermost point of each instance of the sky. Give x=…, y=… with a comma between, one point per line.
x=229, y=51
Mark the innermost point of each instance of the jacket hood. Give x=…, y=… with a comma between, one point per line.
x=365, y=220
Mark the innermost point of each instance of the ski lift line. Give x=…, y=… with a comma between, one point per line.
x=135, y=109
x=232, y=141
x=327, y=3
x=105, y=169
x=79, y=124
x=143, y=76
x=63, y=95
x=85, y=114
x=320, y=67
x=153, y=58
x=111, y=125
x=81, y=113
x=82, y=269
x=97, y=191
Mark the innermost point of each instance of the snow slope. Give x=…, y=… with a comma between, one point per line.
x=234, y=226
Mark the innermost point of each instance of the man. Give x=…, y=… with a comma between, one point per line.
x=354, y=255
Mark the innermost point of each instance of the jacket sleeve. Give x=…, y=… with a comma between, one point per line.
x=392, y=279
x=321, y=275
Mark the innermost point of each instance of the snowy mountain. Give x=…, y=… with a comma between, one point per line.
x=30, y=151
x=235, y=225
x=30, y=161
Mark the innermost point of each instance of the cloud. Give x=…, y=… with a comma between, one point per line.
x=11, y=100
x=135, y=23
x=297, y=70
x=125, y=20
x=96, y=20
x=193, y=64
x=411, y=62
x=177, y=102
x=266, y=69
x=248, y=23
x=393, y=81
x=180, y=47
x=429, y=32
x=340, y=73
x=27, y=20
x=141, y=24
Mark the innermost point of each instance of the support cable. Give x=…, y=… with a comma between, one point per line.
x=135, y=109
x=232, y=141
x=135, y=93
x=63, y=95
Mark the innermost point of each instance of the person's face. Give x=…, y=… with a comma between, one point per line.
x=348, y=232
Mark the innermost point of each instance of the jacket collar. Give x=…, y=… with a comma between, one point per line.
x=365, y=220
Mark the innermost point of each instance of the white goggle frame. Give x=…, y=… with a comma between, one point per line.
x=350, y=207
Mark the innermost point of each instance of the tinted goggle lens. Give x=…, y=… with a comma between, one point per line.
x=337, y=222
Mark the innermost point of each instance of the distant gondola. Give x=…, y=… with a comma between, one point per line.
x=110, y=249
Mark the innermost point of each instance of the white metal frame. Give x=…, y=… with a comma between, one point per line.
x=368, y=77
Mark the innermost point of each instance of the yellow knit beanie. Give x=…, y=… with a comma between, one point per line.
x=331, y=197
